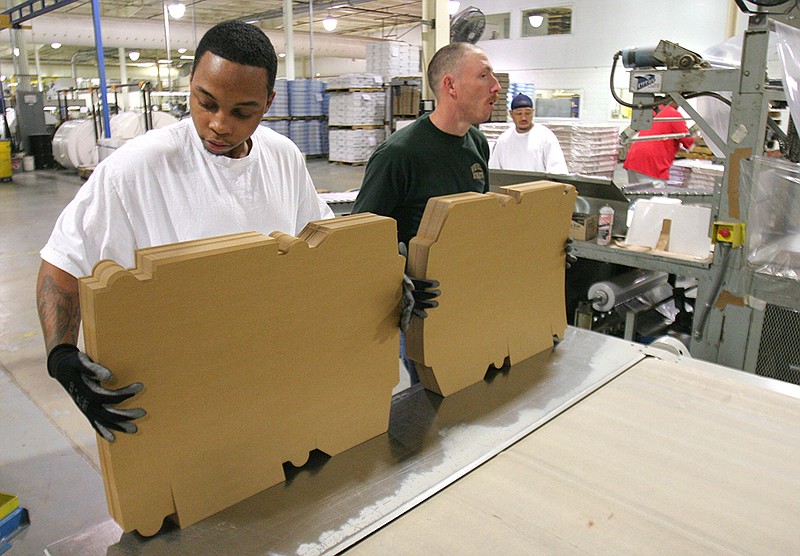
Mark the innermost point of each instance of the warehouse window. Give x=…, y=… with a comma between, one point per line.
x=558, y=103
x=498, y=26
x=546, y=21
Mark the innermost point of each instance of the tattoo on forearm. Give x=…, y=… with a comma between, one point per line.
x=59, y=312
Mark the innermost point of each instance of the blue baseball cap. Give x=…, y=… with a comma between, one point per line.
x=521, y=101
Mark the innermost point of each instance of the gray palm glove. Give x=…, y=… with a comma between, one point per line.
x=568, y=249
x=418, y=295
x=81, y=377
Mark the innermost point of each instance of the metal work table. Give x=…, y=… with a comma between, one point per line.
x=332, y=503
x=636, y=259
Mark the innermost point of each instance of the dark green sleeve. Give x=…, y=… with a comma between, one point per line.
x=384, y=184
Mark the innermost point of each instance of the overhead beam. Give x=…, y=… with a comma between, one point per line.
x=33, y=8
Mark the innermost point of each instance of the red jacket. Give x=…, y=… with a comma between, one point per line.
x=653, y=158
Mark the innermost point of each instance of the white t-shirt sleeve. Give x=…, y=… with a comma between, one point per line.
x=311, y=206
x=554, y=156
x=94, y=226
x=494, y=156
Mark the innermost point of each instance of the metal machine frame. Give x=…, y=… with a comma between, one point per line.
x=731, y=334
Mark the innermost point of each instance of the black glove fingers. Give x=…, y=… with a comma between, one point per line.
x=92, y=369
x=119, y=415
x=102, y=395
x=425, y=295
x=422, y=284
x=103, y=431
x=128, y=427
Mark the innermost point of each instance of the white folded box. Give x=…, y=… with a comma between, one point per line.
x=689, y=231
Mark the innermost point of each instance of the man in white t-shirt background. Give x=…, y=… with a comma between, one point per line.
x=527, y=146
x=219, y=173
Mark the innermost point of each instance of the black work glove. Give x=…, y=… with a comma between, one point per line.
x=418, y=295
x=568, y=249
x=81, y=377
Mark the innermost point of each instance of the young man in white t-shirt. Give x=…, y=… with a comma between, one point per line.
x=218, y=173
x=527, y=146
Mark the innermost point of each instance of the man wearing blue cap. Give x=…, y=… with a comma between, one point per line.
x=527, y=146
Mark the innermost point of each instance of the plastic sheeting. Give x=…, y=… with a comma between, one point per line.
x=773, y=229
x=788, y=39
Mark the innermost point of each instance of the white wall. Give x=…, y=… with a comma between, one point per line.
x=600, y=28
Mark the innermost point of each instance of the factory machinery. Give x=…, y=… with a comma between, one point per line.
x=747, y=310
x=746, y=315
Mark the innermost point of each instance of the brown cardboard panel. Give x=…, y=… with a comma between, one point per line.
x=252, y=353
x=500, y=261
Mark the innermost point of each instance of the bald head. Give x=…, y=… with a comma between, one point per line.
x=447, y=60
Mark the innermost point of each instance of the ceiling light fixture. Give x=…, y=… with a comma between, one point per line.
x=536, y=20
x=55, y=45
x=176, y=10
x=133, y=55
x=452, y=7
x=16, y=51
x=281, y=55
x=329, y=23
x=181, y=51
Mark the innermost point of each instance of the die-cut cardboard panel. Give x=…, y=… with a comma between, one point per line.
x=253, y=351
x=500, y=261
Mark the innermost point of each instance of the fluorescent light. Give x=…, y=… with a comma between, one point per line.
x=452, y=7
x=133, y=55
x=164, y=61
x=536, y=20
x=176, y=10
x=329, y=23
x=55, y=45
x=187, y=57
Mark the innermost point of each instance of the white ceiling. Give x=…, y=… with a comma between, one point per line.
x=356, y=18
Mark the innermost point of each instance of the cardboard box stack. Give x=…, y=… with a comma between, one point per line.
x=500, y=111
x=392, y=58
x=405, y=99
x=357, y=114
x=695, y=174
x=493, y=130
x=591, y=150
x=306, y=97
x=281, y=126
x=310, y=136
x=354, y=146
x=357, y=108
x=280, y=106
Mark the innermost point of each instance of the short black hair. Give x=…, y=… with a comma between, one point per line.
x=241, y=43
x=447, y=60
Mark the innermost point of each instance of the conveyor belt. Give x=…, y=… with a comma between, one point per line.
x=332, y=503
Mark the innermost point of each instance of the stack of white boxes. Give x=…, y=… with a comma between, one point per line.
x=392, y=58
x=357, y=108
x=493, y=130
x=357, y=111
x=695, y=174
x=591, y=150
x=354, y=146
